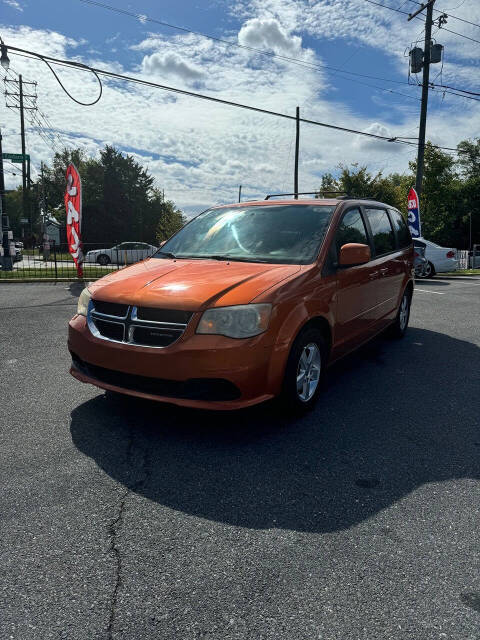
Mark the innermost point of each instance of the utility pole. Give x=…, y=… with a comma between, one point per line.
x=26, y=212
x=42, y=201
x=20, y=96
x=470, y=246
x=7, y=263
x=297, y=147
x=240, y=193
x=2, y=182
x=425, y=81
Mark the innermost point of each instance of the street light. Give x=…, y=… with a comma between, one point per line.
x=5, y=60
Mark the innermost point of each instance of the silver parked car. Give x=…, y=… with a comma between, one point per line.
x=420, y=262
x=124, y=253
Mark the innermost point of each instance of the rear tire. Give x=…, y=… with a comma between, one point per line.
x=399, y=327
x=304, y=372
x=103, y=260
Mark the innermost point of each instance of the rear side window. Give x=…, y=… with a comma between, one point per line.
x=403, y=234
x=351, y=229
x=382, y=232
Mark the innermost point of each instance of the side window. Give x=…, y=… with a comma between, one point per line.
x=351, y=229
x=382, y=232
x=403, y=234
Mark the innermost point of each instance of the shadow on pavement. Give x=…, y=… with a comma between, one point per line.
x=392, y=417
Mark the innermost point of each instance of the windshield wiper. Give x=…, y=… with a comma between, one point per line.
x=167, y=253
x=234, y=258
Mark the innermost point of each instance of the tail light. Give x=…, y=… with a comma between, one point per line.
x=451, y=254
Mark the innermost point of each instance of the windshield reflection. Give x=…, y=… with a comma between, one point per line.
x=284, y=234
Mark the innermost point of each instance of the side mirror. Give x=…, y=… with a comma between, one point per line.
x=354, y=253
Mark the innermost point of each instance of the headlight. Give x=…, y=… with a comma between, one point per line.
x=241, y=321
x=83, y=301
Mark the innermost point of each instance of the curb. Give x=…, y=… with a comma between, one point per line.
x=462, y=277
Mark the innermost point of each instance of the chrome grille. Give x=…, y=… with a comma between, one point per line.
x=138, y=326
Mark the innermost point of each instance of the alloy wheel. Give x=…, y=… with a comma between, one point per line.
x=308, y=372
x=403, y=315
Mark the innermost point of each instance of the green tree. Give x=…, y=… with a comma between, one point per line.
x=450, y=193
x=14, y=210
x=469, y=157
x=357, y=182
x=170, y=219
x=441, y=208
x=119, y=201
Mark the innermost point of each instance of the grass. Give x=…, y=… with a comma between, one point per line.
x=461, y=272
x=39, y=256
x=49, y=272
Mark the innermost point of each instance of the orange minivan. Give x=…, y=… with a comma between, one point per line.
x=247, y=302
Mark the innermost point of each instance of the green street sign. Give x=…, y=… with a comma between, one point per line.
x=16, y=157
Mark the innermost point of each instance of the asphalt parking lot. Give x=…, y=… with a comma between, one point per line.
x=129, y=519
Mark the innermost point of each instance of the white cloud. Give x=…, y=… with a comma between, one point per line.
x=267, y=33
x=199, y=152
x=14, y=4
x=170, y=64
x=364, y=143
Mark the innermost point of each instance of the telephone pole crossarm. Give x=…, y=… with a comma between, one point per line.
x=411, y=16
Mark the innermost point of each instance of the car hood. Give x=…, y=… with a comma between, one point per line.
x=189, y=284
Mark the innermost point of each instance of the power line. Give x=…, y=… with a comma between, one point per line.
x=263, y=52
x=37, y=119
x=449, y=15
x=148, y=83
x=446, y=86
x=378, y=4
x=384, y=6
x=462, y=35
x=459, y=95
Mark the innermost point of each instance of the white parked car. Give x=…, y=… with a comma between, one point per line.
x=124, y=253
x=440, y=259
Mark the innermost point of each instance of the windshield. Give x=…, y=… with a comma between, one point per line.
x=287, y=234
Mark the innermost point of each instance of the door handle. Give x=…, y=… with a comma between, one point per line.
x=373, y=275
x=384, y=271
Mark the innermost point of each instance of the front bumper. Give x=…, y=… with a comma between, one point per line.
x=183, y=373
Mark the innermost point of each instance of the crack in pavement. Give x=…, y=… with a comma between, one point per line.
x=134, y=462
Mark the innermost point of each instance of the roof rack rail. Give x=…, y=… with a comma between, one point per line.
x=303, y=193
x=355, y=198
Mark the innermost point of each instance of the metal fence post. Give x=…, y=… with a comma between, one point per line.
x=55, y=258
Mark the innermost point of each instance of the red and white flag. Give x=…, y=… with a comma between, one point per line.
x=73, y=207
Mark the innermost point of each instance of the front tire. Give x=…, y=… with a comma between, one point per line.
x=400, y=325
x=429, y=271
x=304, y=371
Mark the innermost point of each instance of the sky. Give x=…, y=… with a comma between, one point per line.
x=200, y=152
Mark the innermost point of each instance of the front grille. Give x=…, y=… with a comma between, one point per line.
x=138, y=326
x=110, y=308
x=212, y=389
x=112, y=330
x=164, y=315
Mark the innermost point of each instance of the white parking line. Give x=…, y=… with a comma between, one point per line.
x=427, y=291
